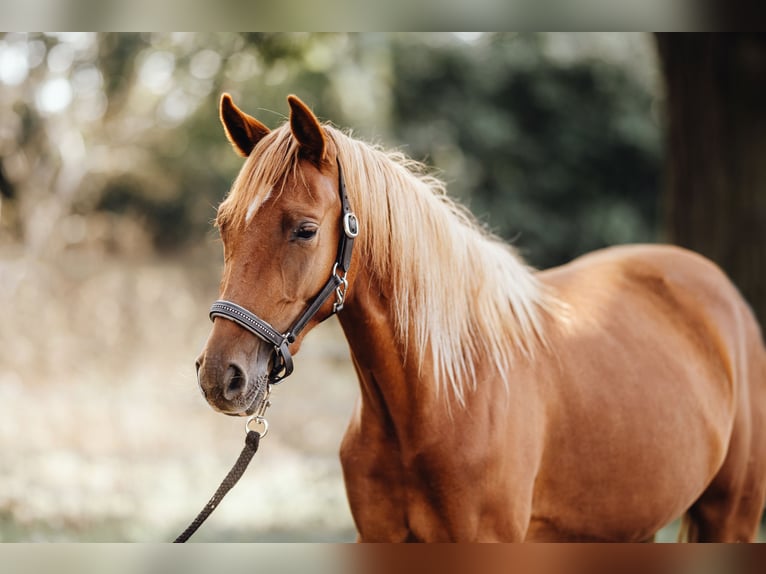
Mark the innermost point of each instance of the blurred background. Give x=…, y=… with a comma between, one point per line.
x=112, y=163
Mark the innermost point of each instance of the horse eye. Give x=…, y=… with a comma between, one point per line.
x=305, y=232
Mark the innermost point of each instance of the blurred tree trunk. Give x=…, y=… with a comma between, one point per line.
x=716, y=156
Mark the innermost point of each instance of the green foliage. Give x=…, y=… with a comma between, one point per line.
x=559, y=155
x=561, y=158
x=191, y=158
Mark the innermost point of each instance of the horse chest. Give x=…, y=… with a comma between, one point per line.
x=450, y=490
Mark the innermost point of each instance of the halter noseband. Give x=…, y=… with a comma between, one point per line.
x=282, y=359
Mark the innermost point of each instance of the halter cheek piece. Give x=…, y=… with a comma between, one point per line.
x=282, y=359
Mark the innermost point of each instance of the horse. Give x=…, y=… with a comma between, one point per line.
x=594, y=401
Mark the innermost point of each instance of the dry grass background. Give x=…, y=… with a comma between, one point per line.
x=104, y=435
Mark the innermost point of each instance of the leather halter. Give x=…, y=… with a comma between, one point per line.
x=282, y=359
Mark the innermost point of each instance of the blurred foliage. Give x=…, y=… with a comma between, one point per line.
x=560, y=157
x=114, y=139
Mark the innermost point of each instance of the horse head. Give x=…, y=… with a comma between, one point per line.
x=280, y=230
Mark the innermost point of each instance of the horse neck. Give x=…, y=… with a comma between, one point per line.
x=408, y=362
x=379, y=357
x=394, y=389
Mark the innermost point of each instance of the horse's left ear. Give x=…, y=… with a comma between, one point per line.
x=306, y=129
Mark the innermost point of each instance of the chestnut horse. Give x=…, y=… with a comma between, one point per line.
x=596, y=401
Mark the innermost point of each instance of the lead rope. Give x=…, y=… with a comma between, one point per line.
x=252, y=438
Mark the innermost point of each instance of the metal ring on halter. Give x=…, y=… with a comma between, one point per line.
x=258, y=420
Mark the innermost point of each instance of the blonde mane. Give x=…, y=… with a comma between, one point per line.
x=459, y=293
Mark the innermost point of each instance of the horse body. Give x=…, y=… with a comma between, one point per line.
x=613, y=423
x=642, y=409
x=595, y=401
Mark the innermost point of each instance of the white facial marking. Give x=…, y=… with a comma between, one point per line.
x=253, y=207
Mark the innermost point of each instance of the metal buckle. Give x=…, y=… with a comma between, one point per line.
x=278, y=367
x=340, y=290
x=279, y=363
x=350, y=225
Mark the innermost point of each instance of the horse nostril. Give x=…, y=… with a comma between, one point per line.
x=198, y=364
x=234, y=382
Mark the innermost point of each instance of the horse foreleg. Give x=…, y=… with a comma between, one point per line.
x=374, y=482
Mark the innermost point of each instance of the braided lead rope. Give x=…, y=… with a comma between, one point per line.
x=251, y=446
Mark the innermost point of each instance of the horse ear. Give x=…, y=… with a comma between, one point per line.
x=242, y=130
x=306, y=129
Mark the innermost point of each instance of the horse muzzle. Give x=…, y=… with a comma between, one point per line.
x=233, y=386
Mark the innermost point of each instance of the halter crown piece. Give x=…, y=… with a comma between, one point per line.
x=282, y=359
